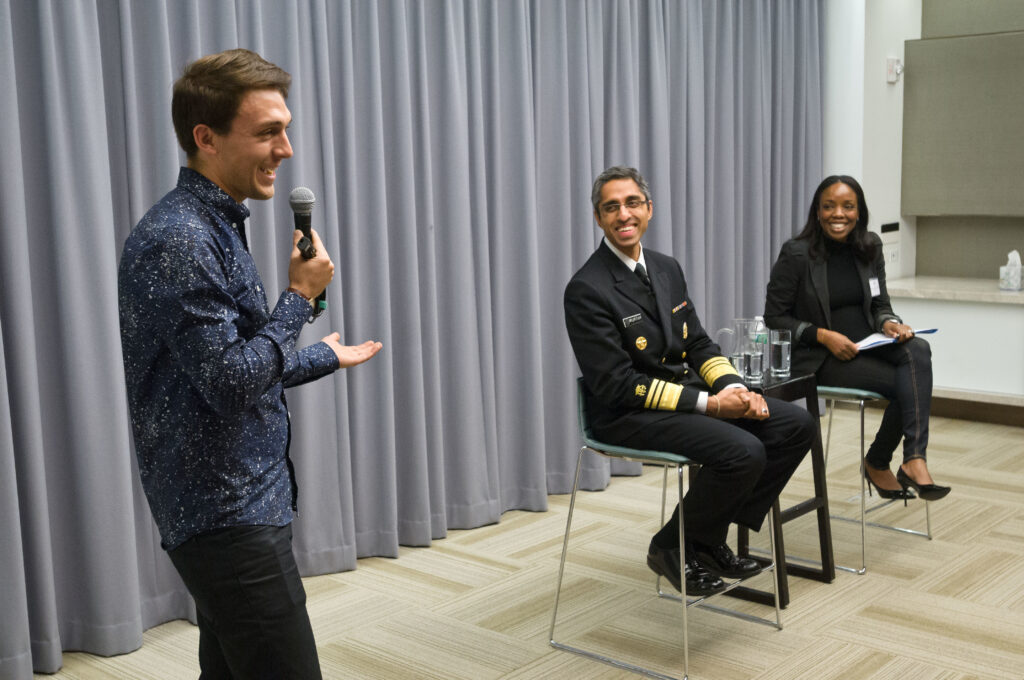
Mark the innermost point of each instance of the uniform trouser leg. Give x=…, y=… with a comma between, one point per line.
x=902, y=373
x=250, y=604
x=744, y=464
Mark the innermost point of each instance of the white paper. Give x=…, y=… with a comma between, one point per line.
x=878, y=339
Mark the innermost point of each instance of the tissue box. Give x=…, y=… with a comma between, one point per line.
x=1009, y=277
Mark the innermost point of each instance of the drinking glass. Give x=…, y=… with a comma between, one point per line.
x=780, y=345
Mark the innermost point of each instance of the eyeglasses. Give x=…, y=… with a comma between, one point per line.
x=631, y=205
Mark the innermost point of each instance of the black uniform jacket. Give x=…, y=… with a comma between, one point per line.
x=636, y=349
x=798, y=298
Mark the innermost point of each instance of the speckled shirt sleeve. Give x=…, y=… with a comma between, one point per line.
x=309, y=363
x=206, y=362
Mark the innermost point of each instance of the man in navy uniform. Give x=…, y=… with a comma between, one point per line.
x=657, y=381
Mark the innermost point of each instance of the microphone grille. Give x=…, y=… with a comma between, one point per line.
x=302, y=200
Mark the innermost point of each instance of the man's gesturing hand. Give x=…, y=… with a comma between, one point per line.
x=351, y=355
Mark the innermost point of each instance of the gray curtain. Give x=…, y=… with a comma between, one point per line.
x=451, y=146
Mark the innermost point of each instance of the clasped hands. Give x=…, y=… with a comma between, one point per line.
x=737, y=402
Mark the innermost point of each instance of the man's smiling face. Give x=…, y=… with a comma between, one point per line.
x=246, y=158
x=623, y=225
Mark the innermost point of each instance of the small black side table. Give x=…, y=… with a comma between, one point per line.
x=790, y=389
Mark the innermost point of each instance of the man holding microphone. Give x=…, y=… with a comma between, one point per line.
x=206, y=364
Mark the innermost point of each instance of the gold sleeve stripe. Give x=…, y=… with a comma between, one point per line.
x=654, y=393
x=670, y=398
x=663, y=396
x=714, y=368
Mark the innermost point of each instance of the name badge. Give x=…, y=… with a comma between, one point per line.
x=630, y=320
x=876, y=290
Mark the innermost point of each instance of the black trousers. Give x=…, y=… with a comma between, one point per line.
x=902, y=373
x=744, y=464
x=250, y=604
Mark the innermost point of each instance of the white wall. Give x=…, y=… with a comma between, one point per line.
x=864, y=113
x=887, y=24
x=844, y=88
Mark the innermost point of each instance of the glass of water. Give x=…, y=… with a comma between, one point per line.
x=780, y=344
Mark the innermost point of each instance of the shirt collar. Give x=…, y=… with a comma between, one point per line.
x=626, y=259
x=215, y=197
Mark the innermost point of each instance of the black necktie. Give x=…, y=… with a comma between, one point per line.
x=642, y=273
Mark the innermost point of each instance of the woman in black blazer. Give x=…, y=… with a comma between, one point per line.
x=828, y=289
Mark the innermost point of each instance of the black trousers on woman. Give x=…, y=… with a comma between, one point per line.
x=902, y=373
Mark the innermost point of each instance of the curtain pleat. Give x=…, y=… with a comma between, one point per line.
x=451, y=146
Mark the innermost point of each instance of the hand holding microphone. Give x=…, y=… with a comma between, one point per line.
x=311, y=268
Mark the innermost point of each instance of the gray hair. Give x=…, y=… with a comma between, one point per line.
x=618, y=172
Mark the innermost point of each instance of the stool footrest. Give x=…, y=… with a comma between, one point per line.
x=802, y=508
x=612, y=661
x=888, y=527
x=812, y=570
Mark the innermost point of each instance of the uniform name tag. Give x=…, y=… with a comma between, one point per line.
x=630, y=320
x=876, y=290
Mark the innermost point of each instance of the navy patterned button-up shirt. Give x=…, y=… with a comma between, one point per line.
x=206, y=363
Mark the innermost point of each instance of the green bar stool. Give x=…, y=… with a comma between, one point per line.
x=849, y=395
x=667, y=461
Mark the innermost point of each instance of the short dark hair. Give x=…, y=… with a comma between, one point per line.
x=211, y=89
x=858, y=238
x=618, y=172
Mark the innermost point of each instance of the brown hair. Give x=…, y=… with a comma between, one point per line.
x=211, y=89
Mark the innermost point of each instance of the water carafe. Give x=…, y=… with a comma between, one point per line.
x=744, y=344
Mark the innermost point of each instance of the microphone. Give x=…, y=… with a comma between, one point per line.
x=302, y=200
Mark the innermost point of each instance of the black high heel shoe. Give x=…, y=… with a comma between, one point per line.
x=929, y=492
x=889, y=494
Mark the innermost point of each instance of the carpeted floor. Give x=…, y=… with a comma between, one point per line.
x=477, y=605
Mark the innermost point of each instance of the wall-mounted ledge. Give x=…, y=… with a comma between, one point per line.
x=977, y=349
x=994, y=398
x=955, y=289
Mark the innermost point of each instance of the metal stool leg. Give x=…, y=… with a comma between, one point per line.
x=558, y=591
x=864, y=510
x=863, y=502
x=682, y=575
x=830, y=407
x=565, y=548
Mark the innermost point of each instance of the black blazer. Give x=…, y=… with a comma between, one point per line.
x=798, y=298
x=636, y=349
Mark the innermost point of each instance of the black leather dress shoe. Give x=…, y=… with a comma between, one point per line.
x=720, y=560
x=665, y=562
x=699, y=582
